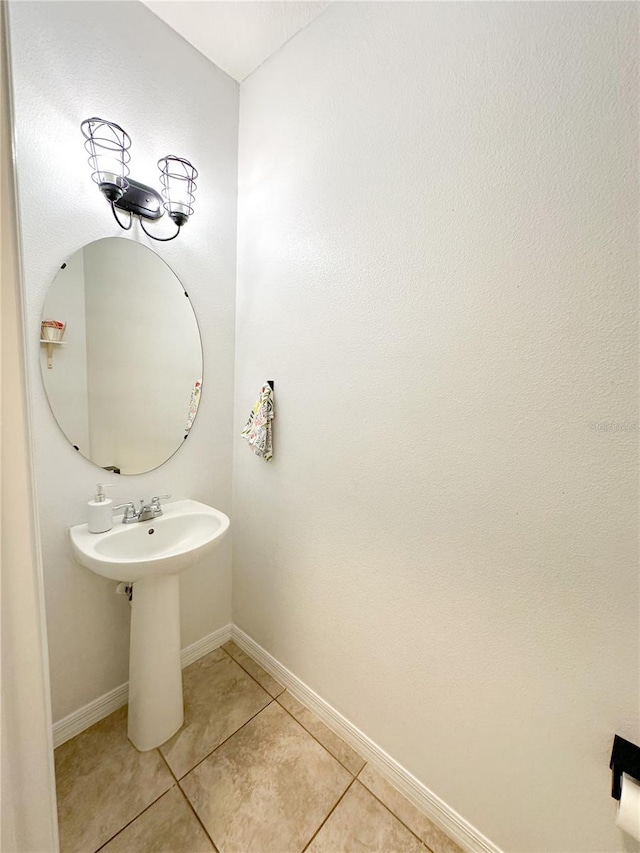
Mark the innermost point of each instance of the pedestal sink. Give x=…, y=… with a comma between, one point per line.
x=149, y=555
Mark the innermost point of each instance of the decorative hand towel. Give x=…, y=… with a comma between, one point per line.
x=258, y=428
x=194, y=402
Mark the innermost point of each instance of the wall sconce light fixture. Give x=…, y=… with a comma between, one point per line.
x=108, y=147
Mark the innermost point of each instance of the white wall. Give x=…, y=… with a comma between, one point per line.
x=65, y=381
x=71, y=61
x=437, y=231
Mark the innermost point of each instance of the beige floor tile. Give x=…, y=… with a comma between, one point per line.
x=219, y=697
x=268, y=788
x=348, y=757
x=103, y=782
x=360, y=824
x=168, y=826
x=254, y=669
x=433, y=837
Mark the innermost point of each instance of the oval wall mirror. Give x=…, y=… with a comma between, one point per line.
x=121, y=356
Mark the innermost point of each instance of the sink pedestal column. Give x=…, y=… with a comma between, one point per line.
x=155, y=676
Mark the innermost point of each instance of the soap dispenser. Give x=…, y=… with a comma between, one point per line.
x=100, y=511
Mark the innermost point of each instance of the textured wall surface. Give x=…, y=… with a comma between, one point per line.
x=118, y=61
x=437, y=225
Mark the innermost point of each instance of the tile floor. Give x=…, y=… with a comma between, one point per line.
x=251, y=771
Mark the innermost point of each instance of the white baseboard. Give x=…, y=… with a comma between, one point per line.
x=79, y=720
x=451, y=823
x=207, y=644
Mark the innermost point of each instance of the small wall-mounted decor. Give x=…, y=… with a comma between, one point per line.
x=51, y=334
x=108, y=147
x=258, y=430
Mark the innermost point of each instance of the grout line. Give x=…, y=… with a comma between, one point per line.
x=197, y=817
x=146, y=808
x=397, y=817
x=311, y=734
x=198, y=763
x=189, y=803
x=235, y=661
x=169, y=768
x=253, y=676
x=339, y=800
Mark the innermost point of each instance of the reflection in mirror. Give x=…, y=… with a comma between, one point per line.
x=125, y=385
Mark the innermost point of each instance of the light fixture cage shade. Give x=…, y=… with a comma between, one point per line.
x=108, y=147
x=178, y=179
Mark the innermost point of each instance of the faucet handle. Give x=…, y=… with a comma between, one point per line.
x=155, y=504
x=129, y=511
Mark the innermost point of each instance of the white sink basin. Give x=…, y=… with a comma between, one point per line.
x=150, y=554
x=160, y=546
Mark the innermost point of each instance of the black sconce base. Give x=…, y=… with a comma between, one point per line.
x=140, y=200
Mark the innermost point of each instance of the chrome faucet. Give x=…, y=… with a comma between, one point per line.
x=147, y=511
